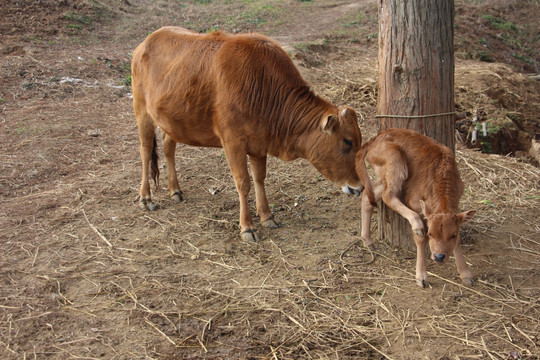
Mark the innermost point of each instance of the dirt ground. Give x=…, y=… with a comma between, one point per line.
x=84, y=273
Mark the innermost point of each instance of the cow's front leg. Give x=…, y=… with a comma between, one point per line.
x=461, y=264
x=258, y=168
x=237, y=160
x=421, y=272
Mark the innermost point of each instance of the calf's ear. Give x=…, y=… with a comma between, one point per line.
x=330, y=123
x=466, y=216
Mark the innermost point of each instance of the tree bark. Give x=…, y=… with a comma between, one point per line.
x=416, y=82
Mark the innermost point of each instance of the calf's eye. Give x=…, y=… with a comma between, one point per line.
x=347, y=142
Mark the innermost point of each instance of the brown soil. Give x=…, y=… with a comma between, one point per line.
x=86, y=274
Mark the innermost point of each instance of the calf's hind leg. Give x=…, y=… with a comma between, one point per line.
x=393, y=174
x=367, y=212
x=169, y=147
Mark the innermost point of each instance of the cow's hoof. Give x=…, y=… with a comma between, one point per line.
x=177, y=196
x=147, y=204
x=270, y=223
x=468, y=281
x=422, y=283
x=250, y=235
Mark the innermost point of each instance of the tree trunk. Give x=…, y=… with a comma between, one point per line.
x=416, y=82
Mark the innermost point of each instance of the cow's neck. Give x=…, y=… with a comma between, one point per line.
x=297, y=129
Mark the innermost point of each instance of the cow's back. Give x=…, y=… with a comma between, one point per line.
x=196, y=86
x=171, y=81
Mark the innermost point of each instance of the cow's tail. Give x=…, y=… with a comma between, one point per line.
x=361, y=170
x=154, y=169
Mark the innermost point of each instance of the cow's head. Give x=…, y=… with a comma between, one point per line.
x=443, y=231
x=333, y=148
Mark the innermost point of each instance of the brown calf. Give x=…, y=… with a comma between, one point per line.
x=243, y=93
x=416, y=175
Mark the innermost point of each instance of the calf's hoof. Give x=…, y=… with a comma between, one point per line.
x=147, y=204
x=419, y=232
x=468, y=281
x=270, y=223
x=369, y=244
x=177, y=196
x=422, y=283
x=250, y=235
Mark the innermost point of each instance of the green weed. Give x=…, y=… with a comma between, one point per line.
x=484, y=56
x=80, y=18
x=75, y=26
x=500, y=23
x=127, y=80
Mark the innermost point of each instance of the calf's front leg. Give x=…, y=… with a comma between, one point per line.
x=412, y=216
x=461, y=264
x=421, y=272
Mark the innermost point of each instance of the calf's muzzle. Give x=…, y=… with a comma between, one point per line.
x=439, y=257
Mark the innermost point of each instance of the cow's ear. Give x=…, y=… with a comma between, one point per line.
x=425, y=209
x=330, y=123
x=466, y=216
x=348, y=112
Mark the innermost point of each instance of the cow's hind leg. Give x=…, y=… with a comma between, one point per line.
x=367, y=212
x=258, y=168
x=169, y=147
x=147, y=131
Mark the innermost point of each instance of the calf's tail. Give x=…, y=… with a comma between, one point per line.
x=154, y=169
x=363, y=175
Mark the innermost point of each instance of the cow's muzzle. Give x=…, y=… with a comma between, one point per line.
x=352, y=191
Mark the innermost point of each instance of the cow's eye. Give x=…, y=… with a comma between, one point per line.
x=347, y=142
x=429, y=234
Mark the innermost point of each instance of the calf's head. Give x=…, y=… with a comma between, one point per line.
x=333, y=147
x=443, y=231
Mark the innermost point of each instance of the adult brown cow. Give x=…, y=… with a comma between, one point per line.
x=416, y=176
x=243, y=93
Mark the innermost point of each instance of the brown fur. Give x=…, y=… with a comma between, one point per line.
x=243, y=93
x=416, y=176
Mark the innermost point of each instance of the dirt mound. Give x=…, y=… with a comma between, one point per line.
x=499, y=31
x=499, y=108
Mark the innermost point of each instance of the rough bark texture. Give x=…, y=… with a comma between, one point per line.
x=416, y=78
